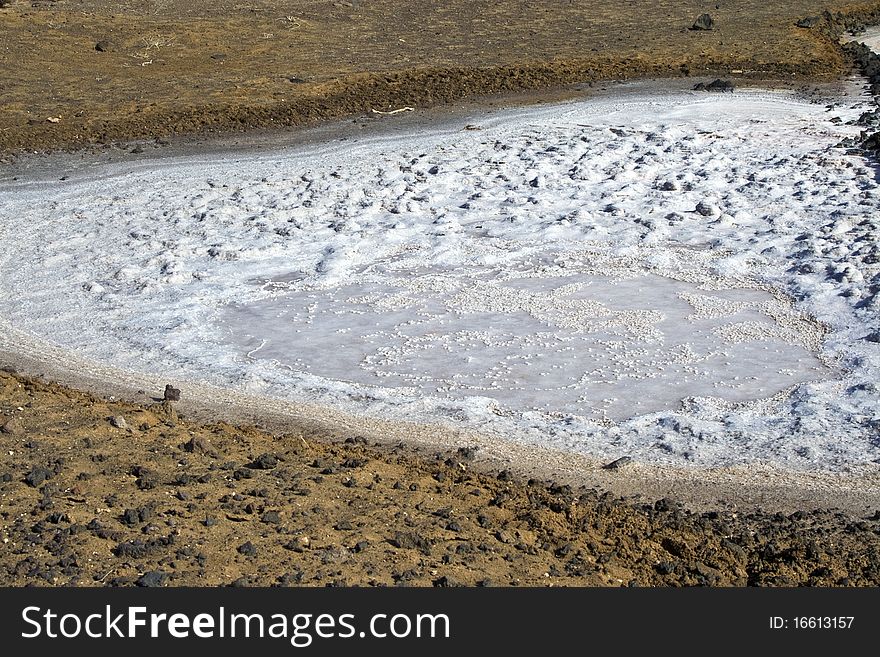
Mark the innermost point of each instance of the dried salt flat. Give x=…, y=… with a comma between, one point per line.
x=588, y=345
x=685, y=278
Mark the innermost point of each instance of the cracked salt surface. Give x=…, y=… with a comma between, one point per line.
x=683, y=278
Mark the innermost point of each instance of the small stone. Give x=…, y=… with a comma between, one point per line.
x=119, y=422
x=37, y=476
x=264, y=462
x=618, y=463
x=445, y=582
x=808, y=22
x=247, y=549
x=171, y=393
x=198, y=445
x=102, y=46
x=11, y=426
x=505, y=537
x=271, y=518
x=152, y=578
x=299, y=544
x=146, y=482
x=703, y=22
x=410, y=541
x=665, y=567
x=716, y=85
x=705, y=209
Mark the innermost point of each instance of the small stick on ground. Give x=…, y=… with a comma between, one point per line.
x=397, y=111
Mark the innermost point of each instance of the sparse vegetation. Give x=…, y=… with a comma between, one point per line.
x=230, y=68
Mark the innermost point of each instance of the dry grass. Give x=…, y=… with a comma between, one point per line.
x=186, y=66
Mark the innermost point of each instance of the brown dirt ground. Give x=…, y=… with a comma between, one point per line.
x=83, y=502
x=86, y=502
x=178, y=67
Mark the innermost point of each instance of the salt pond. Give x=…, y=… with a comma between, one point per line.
x=687, y=278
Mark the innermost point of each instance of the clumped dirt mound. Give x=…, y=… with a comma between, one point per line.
x=76, y=73
x=95, y=492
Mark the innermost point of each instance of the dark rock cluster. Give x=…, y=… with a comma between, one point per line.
x=715, y=85
x=868, y=63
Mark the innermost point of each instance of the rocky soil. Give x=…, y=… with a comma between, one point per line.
x=98, y=492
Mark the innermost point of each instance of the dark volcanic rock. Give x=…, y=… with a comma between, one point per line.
x=703, y=22
x=198, y=445
x=137, y=549
x=445, y=582
x=867, y=60
x=146, y=482
x=720, y=85
x=130, y=517
x=37, y=476
x=102, y=46
x=716, y=85
x=705, y=209
x=264, y=462
x=133, y=517
x=247, y=549
x=410, y=541
x=808, y=22
x=171, y=393
x=872, y=142
x=152, y=578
